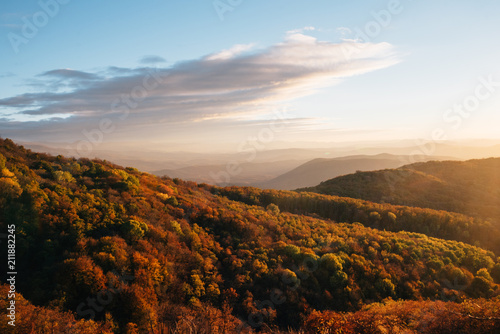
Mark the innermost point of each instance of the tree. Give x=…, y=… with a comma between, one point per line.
x=273, y=208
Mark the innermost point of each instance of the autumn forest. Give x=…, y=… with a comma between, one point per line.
x=106, y=249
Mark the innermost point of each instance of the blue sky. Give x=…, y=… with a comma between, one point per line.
x=224, y=79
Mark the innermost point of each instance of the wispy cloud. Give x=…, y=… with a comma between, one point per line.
x=69, y=74
x=301, y=30
x=236, y=50
x=227, y=85
x=344, y=32
x=149, y=60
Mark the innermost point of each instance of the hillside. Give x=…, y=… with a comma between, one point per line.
x=433, y=223
x=470, y=187
x=110, y=249
x=317, y=170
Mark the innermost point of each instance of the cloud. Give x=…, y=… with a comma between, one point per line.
x=344, y=32
x=149, y=60
x=301, y=30
x=70, y=74
x=231, y=84
x=236, y=50
x=63, y=80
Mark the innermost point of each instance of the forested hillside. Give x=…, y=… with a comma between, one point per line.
x=101, y=248
x=435, y=223
x=469, y=187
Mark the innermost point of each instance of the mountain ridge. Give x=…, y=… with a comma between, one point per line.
x=320, y=169
x=468, y=187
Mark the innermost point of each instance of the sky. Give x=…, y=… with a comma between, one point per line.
x=216, y=75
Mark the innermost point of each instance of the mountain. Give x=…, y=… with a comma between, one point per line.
x=160, y=159
x=258, y=165
x=244, y=173
x=317, y=170
x=106, y=249
x=470, y=187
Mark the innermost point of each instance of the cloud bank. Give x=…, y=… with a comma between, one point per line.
x=233, y=84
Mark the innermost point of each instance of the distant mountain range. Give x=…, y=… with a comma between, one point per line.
x=245, y=174
x=315, y=171
x=269, y=167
